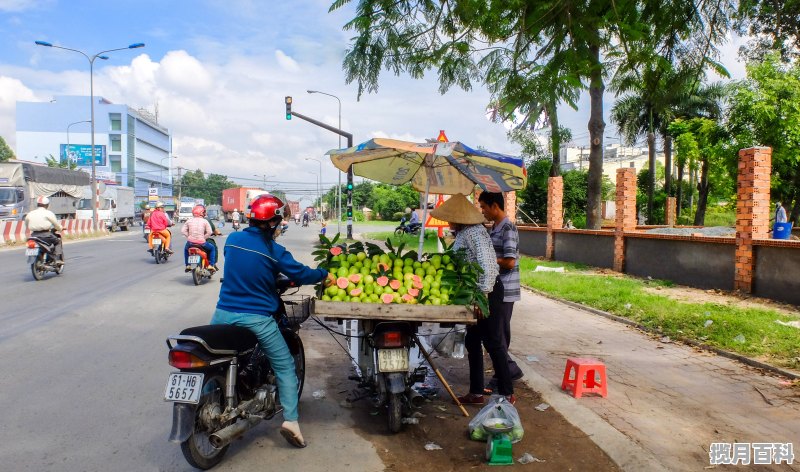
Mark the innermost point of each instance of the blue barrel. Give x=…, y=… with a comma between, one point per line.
x=782, y=230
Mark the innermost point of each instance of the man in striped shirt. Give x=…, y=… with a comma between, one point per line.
x=505, y=239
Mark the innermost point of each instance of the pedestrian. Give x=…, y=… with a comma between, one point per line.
x=323, y=230
x=780, y=213
x=505, y=239
x=467, y=224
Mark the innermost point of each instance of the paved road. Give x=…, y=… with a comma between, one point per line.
x=85, y=362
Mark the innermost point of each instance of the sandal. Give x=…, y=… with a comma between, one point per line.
x=293, y=438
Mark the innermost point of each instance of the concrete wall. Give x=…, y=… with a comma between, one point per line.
x=584, y=248
x=532, y=242
x=693, y=263
x=777, y=273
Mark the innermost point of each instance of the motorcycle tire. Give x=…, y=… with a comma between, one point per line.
x=399, y=232
x=197, y=275
x=60, y=268
x=395, y=405
x=157, y=255
x=197, y=449
x=37, y=269
x=300, y=366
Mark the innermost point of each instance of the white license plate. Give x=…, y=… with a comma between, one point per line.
x=156, y=242
x=32, y=252
x=195, y=259
x=392, y=360
x=147, y=231
x=183, y=388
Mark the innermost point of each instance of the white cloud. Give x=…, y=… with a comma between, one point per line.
x=21, y=5
x=286, y=62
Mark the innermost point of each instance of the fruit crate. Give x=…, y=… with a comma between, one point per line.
x=393, y=311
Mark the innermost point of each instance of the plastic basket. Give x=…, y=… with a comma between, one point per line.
x=782, y=231
x=298, y=309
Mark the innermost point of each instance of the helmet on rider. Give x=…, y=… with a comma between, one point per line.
x=266, y=207
x=42, y=201
x=199, y=210
x=147, y=207
x=236, y=209
x=160, y=205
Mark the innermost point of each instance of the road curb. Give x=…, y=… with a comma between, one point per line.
x=620, y=448
x=721, y=352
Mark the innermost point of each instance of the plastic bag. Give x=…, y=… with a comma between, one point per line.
x=498, y=407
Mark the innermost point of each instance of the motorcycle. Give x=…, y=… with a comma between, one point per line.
x=41, y=257
x=146, y=232
x=284, y=228
x=159, y=251
x=198, y=260
x=235, y=225
x=407, y=228
x=385, y=368
x=224, y=385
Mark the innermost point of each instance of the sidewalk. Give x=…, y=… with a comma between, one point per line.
x=668, y=401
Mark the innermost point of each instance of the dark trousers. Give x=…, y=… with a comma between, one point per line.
x=51, y=238
x=505, y=310
x=490, y=333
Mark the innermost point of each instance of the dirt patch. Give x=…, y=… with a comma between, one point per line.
x=694, y=295
x=548, y=436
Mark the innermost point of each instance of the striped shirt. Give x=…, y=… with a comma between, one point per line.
x=478, y=245
x=505, y=239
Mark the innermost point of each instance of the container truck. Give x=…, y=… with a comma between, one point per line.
x=21, y=183
x=115, y=206
x=239, y=198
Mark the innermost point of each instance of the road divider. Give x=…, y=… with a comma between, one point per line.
x=13, y=232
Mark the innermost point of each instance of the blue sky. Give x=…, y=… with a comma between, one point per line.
x=219, y=71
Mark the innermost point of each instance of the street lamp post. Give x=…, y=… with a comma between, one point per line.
x=91, y=98
x=319, y=184
x=68, y=126
x=339, y=187
x=317, y=190
x=161, y=171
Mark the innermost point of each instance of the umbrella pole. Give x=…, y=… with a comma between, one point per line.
x=424, y=220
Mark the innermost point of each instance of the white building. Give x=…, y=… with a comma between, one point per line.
x=615, y=157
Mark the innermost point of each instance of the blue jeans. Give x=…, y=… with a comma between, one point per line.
x=271, y=341
x=211, y=250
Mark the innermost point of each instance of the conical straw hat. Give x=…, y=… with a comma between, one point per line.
x=457, y=209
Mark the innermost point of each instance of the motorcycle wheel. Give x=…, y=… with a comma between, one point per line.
x=197, y=449
x=60, y=268
x=300, y=366
x=37, y=269
x=395, y=412
x=157, y=255
x=399, y=232
x=197, y=275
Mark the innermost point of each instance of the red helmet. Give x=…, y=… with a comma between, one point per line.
x=266, y=207
x=199, y=210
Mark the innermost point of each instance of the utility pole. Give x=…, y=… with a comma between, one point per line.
x=180, y=186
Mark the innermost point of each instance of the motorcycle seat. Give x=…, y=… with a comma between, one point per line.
x=224, y=337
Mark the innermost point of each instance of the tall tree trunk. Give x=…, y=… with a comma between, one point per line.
x=555, y=140
x=597, y=127
x=668, y=164
x=651, y=179
x=679, y=198
x=702, y=198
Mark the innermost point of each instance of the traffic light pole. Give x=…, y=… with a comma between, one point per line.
x=349, y=137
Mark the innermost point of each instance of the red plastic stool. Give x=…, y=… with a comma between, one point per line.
x=584, y=381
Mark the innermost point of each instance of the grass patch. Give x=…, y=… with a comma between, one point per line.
x=412, y=242
x=627, y=297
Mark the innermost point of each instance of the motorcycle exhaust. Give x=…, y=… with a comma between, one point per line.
x=224, y=436
x=415, y=399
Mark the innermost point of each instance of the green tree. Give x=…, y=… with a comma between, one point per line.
x=6, y=154
x=195, y=184
x=389, y=199
x=774, y=26
x=533, y=198
x=63, y=164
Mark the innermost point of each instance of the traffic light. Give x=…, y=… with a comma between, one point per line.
x=349, y=213
x=349, y=186
x=288, y=108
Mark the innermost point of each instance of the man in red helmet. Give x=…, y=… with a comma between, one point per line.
x=248, y=298
x=197, y=229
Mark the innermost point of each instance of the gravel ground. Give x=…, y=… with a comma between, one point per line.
x=716, y=231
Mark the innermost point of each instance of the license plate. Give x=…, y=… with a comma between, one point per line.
x=147, y=231
x=183, y=388
x=194, y=259
x=392, y=360
x=32, y=252
x=156, y=242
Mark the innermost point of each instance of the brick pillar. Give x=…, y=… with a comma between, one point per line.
x=555, y=212
x=669, y=211
x=626, y=213
x=752, y=211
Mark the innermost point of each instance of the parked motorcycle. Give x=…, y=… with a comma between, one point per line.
x=225, y=385
x=198, y=260
x=159, y=251
x=41, y=257
x=407, y=228
x=386, y=370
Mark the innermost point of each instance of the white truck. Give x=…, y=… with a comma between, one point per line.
x=22, y=182
x=116, y=207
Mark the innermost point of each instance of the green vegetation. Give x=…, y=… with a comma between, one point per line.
x=6, y=154
x=630, y=298
x=411, y=241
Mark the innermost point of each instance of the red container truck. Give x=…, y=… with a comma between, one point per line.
x=239, y=198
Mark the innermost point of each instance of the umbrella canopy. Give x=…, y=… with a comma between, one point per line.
x=443, y=168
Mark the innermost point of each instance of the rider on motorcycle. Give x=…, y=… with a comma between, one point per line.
x=43, y=224
x=248, y=298
x=159, y=222
x=197, y=230
x=235, y=216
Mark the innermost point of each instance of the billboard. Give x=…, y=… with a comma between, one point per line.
x=81, y=154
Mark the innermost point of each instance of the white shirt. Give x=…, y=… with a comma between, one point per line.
x=42, y=219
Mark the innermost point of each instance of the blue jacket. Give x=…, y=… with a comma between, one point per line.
x=251, y=267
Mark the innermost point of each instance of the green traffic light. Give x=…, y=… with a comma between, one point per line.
x=288, y=116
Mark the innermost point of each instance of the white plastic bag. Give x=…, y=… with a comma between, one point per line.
x=498, y=407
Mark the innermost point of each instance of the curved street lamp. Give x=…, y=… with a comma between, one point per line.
x=91, y=60
x=339, y=188
x=68, y=127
